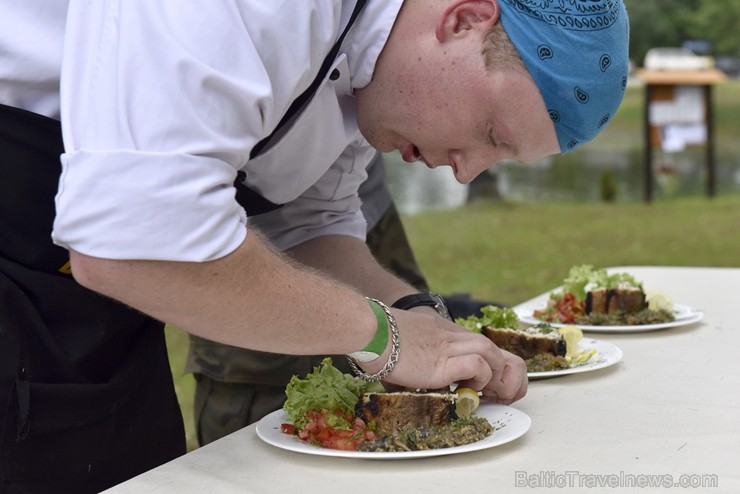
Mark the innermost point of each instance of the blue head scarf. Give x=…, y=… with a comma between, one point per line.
x=577, y=53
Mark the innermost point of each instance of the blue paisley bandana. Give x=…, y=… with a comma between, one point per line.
x=576, y=52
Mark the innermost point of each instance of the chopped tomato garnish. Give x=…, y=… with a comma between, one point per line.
x=317, y=430
x=562, y=310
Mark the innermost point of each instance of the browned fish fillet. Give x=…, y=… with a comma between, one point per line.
x=609, y=301
x=400, y=410
x=526, y=343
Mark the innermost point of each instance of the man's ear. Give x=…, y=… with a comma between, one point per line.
x=463, y=16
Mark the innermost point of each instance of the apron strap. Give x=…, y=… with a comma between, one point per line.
x=301, y=100
x=253, y=202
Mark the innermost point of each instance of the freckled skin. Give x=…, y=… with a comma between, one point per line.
x=431, y=93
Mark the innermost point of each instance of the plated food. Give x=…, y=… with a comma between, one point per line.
x=567, y=305
x=412, y=421
x=684, y=315
x=333, y=410
x=509, y=423
x=543, y=347
x=593, y=297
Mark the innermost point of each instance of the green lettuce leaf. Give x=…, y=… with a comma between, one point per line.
x=578, y=278
x=491, y=315
x=584, y=277
x=324, y=388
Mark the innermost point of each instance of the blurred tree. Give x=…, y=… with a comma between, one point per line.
x=671, y=22
x=717, y=22
x=657, y=23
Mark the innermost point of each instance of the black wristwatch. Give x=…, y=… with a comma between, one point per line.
x=428, y=299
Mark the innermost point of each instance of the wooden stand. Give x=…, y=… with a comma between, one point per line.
x=661, y=86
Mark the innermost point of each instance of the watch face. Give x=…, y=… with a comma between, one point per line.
x=440, y=306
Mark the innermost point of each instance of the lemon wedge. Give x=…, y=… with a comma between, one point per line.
x=581, y=357
x=659, y=301
x=573, y=336
x=466, y=403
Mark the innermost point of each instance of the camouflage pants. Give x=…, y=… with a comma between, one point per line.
x=236, y=387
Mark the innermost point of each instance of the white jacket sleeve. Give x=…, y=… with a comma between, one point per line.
x=161, y=105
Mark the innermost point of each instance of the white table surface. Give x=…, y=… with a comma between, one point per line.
x=670, y=408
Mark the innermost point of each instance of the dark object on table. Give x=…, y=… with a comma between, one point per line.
x=463, y=305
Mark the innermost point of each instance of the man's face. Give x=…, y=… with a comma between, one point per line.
x=443, y=107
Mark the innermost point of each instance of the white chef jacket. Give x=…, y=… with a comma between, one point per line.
x=31, y=38
x=162, y=102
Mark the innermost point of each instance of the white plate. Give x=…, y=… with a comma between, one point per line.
x=508, y=422
x=606, y=355
x=684, y=315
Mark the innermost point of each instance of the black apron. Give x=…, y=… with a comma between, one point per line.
x=86, y=393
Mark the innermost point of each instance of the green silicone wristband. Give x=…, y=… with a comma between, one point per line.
x=377, y=345
x=380, y=340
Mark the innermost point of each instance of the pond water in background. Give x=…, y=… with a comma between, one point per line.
x=574, y=177
x=415, y=188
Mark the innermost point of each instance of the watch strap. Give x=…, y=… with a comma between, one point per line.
x=428, y=299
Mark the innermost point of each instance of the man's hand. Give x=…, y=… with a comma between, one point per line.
x=513, y=383
x=436, y=353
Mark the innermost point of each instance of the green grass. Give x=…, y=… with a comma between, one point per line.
x=177, y=346
x=511, y=252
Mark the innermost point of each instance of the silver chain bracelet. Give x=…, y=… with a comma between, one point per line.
x=395, y=349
